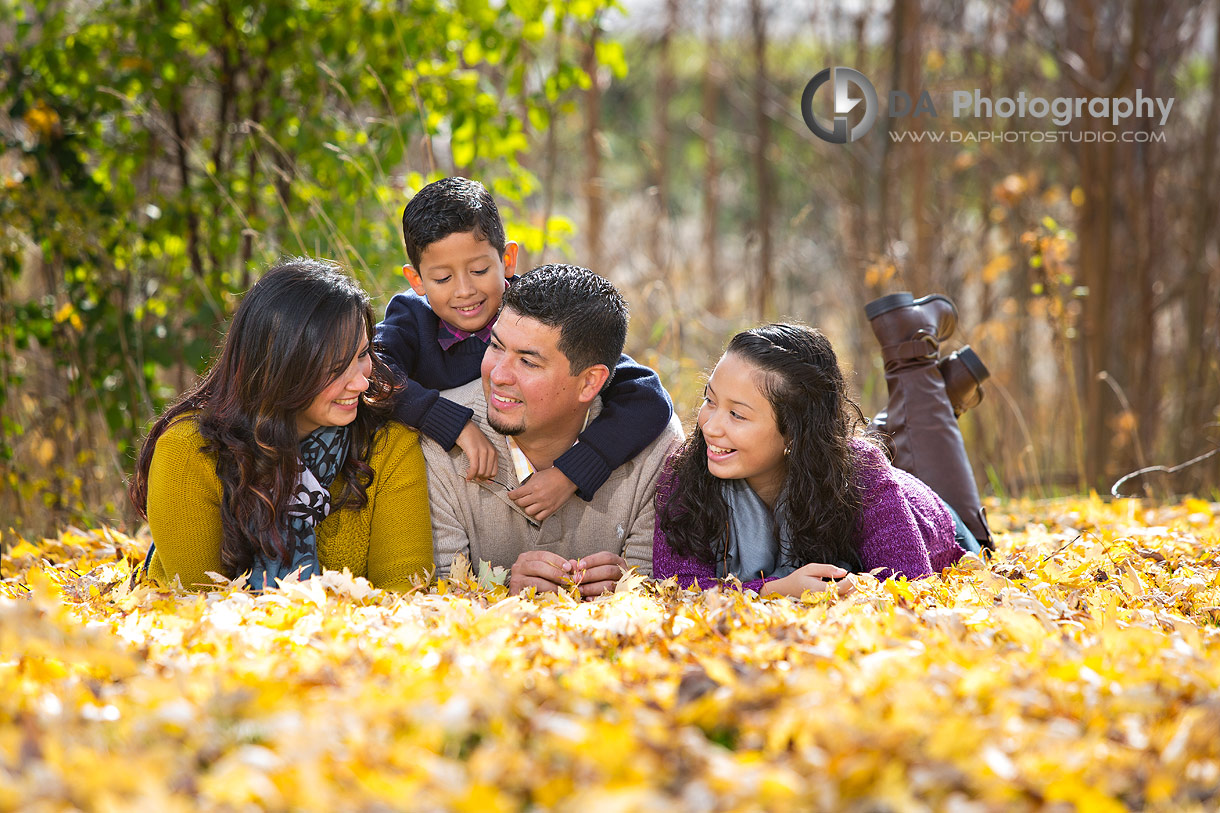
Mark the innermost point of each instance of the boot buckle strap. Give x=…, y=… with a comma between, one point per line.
x=925, y=346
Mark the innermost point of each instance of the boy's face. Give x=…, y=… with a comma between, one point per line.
x=463, y=279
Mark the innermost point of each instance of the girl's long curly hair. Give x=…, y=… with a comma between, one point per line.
x=294, y=333
x=799, y=374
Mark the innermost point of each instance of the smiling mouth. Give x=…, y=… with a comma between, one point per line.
x=348, y=401
x=467, y=310
x=503, y=399
x=719, y=450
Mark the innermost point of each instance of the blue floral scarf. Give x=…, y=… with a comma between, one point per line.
x=322, y=454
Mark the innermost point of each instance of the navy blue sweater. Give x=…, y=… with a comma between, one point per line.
x=635, y=407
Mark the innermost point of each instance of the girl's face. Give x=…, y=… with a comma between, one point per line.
x=739, y=427
x=336, y=404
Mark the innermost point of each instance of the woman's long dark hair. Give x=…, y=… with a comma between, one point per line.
x=295, y=332
x=800, y=376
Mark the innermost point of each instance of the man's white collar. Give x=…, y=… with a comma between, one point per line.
x=521, y=464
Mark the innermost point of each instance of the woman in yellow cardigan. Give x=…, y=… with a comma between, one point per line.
x=283, y=458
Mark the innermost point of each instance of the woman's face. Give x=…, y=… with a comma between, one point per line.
x=336, y=404
x=739, y=427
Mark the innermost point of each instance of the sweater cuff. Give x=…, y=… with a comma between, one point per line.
x=585, y=467
x=757, y=584
x=444, y=421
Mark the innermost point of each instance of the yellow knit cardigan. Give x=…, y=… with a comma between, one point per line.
x=388, y=541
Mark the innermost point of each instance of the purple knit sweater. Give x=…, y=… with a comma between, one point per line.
x=904, y=528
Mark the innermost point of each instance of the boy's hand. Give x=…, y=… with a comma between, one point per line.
x=479, y=451
x=543, y=493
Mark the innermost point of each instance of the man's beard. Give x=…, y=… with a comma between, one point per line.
x=502, y=428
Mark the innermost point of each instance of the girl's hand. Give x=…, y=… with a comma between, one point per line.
x=813, y=577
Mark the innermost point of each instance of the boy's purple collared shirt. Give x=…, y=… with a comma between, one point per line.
x=448, y=335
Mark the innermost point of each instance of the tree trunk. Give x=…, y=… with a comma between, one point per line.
x=252, y=192
x=1141, y=373
x=711, y=167
x=550, y=159
x=595, y=214
x=762, y=167
x=661, y=139
x=1096, y=164
x=915, y=154
x=184, y=179
x=886, y=180
x=1197, y=373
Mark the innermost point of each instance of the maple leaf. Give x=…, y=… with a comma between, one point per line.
x=490, y=577
x=630, y=581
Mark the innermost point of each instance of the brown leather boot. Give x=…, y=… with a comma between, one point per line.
x=904, y=324
x=920, y=421
x=964, y=373
x=897, y=318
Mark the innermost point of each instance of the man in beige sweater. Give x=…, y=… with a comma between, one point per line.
x=553, y=347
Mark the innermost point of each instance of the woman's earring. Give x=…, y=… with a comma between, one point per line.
x=787, y=451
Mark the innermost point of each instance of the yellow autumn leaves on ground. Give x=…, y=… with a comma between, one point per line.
x=1079, y=668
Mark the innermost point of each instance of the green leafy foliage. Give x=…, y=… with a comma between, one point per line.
x=155, y=155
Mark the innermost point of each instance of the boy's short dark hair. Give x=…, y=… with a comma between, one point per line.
x=588, y=310
x=451, y=206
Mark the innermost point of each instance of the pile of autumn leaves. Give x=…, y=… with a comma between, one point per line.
x=1080, y=666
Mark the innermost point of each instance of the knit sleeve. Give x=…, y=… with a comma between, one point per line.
x=635, y=411
x=397, y=336
x=400, y=534
x=689, y=570
x=888, y=534
x=184, y=497
x=420, y=407
x=444, y=420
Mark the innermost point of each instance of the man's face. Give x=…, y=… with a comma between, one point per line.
x=527, y=381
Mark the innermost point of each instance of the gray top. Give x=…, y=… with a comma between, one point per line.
x=756, y=535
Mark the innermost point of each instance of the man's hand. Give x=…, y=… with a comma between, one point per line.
x=542, y=570
x=479, y=451
x=598, y=573
x=543, y=493
x=810, y=577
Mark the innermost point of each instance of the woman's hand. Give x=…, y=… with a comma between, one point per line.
x=479, y=451
x=810, y=577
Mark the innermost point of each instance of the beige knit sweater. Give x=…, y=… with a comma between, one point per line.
x=478, y=520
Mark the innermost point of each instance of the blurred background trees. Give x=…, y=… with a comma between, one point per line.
x=156, y=155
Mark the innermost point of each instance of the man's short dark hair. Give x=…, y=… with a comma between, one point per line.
x=588, y=310
x=451, y=206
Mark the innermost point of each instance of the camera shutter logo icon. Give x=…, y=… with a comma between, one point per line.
x=842, y=79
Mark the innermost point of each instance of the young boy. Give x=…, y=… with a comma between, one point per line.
x=434, y=337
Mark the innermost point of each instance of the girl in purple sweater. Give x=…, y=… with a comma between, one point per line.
x=779, y=487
